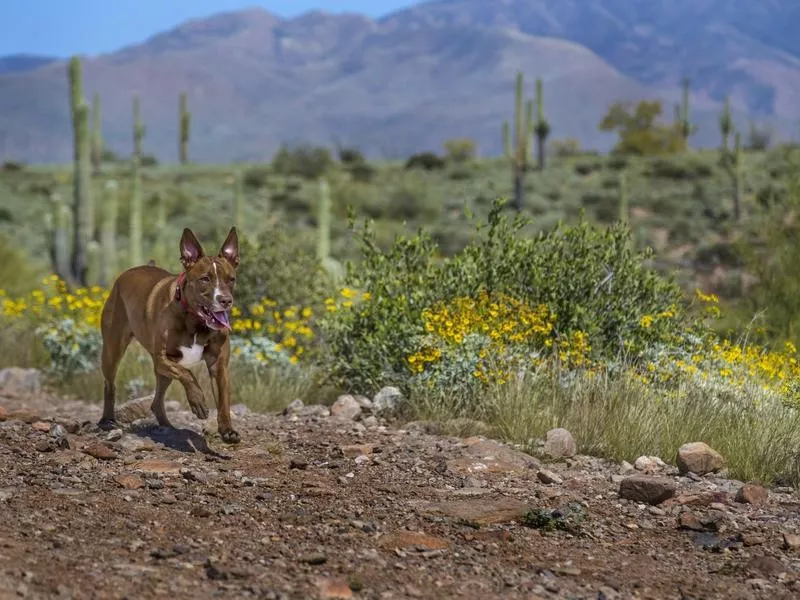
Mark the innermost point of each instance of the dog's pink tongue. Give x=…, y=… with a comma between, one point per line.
x=221, y=317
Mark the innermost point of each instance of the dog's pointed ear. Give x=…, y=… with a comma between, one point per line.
x=230, y=248
x=191, y=250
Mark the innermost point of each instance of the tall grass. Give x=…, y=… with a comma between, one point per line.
x=621, y=418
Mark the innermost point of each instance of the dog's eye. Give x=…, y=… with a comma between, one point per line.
x=205, y=279
x=232, y=280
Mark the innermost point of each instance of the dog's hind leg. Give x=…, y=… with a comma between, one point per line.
x=162, y=383
x=117, y=335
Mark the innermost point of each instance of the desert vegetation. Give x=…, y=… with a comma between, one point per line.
x=642, y=299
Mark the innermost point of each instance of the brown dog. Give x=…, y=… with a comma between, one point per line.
x=181, y=321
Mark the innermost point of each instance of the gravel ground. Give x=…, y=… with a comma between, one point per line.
x=311, y=505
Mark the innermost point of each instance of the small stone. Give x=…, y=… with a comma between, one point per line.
x=699, y=458
x=100, y=451
x=294, y=407
x=72, y=426
x=791, y=541
x=649, y=464
x=114, y=435
x=346, y=407
x=370, y=422
x=625, y=467
x=334, y=588
x=752, y=539
x=314, y=559
x=200, y=512
x=688, y=520
x=752, y=494
x=155, y=484
x=134, y=410
x=45, y=446
x=3, y=414
x=548, y=477
x=559, y=443
x=354, y=450
x=240, y=410
x=387, y=400
x=42, y=426
x=129, y=482
x=364, y=402
x=298, y=463
x=647, y=489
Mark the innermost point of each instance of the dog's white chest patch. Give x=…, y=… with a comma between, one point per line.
x=191, y=355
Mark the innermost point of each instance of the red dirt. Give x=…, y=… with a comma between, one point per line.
x=289, y=514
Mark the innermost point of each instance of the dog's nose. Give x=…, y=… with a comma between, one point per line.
x=225, y=302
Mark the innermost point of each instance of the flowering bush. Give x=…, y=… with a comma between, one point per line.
x=271, y=335
x=68, y=323
x=595, y=288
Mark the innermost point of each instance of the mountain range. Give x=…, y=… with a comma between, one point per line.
x=410, y=80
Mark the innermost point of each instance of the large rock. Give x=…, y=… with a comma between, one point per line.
x=387, y=400
x=560, y=444
x=647, y=489
x=699, y=458
x=15, y=381
x=488, y=456
x=346, y=407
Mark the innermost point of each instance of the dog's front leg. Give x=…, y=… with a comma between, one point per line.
x=166, y=367
x=219, y=369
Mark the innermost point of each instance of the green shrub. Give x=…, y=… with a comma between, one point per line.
x=256, y=177
x=618, y=162
x=308, y=162
x=362, y=172
x=592, y=279
x=427, y=161
x=460, y=150
x=282, y=266
x=587, y=168
x=679, y=168
x=565, y=147
x=411, y=201
x=350, y=156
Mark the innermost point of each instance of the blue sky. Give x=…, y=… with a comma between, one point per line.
x=64, y=27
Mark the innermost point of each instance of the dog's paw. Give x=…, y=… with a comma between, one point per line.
x=199, y=409
x=107, y=424
x=230, y=436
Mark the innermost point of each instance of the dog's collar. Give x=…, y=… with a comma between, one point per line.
x=180, y=298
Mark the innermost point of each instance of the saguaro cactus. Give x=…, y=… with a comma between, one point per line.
x=682, y=114
x=519, y=156
x=83, y=202
x=97, y=136
x=139, y=129
x=58, y=225
x=93, y=262
x=108, y=234
x=324, y=221
x=542, y=127
x=733, y=165
x=725, y=124
x=185, y=123
x=135, y=222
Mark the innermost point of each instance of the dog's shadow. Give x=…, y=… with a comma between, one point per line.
x=180, y=439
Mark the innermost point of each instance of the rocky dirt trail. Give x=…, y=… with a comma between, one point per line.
x=315, y=505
